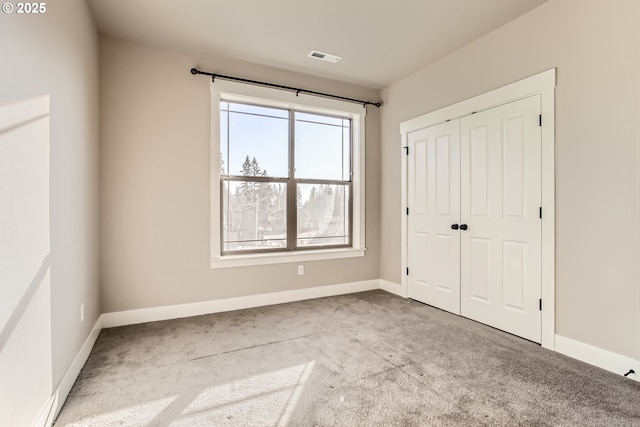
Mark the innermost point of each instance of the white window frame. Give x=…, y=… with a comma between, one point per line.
x=240, y=92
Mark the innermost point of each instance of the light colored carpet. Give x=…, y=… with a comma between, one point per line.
x=367, y=359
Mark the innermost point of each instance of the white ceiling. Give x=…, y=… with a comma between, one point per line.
x=380, y=41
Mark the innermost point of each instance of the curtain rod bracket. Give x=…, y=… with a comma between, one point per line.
x=195, y=71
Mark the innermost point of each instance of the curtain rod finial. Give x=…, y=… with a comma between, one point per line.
x=194, y=71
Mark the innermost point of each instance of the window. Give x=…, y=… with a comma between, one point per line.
x=287, y=177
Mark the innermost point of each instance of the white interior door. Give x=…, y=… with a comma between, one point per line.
x=434, y=205
x=500, y=203
x=505, y=173
x=481, y=173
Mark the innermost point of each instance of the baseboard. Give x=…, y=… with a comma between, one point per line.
x=132, y=317
x=63, y=389
x=596, y=356
x=392, y=287
x=47, y=415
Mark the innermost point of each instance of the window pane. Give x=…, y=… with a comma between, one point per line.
x=257, y=145
x=316, y=118
x=322, y=150
x=346, y=152
x=255, y=109
x=254, y=215
x=323, y=215
x=224, y=139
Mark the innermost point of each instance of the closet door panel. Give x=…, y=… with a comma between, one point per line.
x=434, y=205
x=500, y=198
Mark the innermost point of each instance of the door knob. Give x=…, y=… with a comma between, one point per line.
x=463, y=226
x=454, y=226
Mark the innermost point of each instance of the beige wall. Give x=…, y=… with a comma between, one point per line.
x=56, y=54
x=594, y=45
x=154, y=186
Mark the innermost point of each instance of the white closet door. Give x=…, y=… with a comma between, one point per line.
x=434, y=203
x=500, y=199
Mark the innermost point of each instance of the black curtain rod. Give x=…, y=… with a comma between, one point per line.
x=195, y=71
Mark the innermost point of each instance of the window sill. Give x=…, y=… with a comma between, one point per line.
x=229, y=261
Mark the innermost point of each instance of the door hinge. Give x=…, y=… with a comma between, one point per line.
x=407, y=271
x=540, y=304
x=540, y=212
x=406, y=150
x=540, y=120
x=407, y=211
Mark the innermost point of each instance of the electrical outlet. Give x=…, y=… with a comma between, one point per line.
x=300, y=270
x=81, y=312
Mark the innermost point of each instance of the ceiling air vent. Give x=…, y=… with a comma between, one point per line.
x=324, y=56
